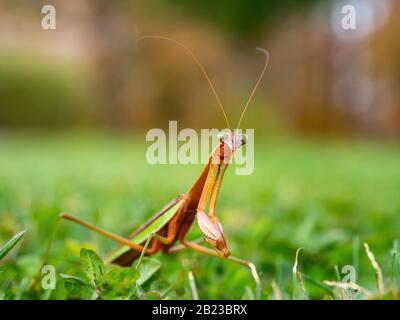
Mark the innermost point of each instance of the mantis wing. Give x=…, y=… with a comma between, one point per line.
x=140, y=238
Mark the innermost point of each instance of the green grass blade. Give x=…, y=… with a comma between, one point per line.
x=318, y=284
x=356, y=252
x=337, y=274
x=395, y=253
x=11, y=244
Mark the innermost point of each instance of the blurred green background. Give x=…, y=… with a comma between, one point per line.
x=76, y=103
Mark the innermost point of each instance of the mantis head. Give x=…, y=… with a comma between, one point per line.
x=232, y=139
x=229, y=142
x=213, y=233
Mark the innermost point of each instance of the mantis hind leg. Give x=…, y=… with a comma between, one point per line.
x=124, y=241
x=196, y=247
x=110, y=235
x=126, y=258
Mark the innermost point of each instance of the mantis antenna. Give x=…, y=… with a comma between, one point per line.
x=198, y=64
x=257, y=83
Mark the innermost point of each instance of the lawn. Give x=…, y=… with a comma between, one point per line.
x=325, y=197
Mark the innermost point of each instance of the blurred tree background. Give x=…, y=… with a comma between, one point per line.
x=89, y=73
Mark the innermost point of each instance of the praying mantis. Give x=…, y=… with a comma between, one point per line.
x=172, y=222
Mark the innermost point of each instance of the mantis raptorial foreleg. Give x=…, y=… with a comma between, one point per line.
x=196, y=247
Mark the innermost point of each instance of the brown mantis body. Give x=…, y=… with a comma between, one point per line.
x=182, y=211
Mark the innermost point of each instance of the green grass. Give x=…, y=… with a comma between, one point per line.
x=328, y=198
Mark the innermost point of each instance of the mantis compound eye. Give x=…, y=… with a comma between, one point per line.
x=243, y=138
x=222, y=136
